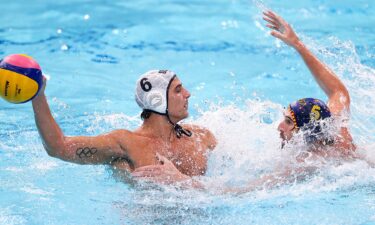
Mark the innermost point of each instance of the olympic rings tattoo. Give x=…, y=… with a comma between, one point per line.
x=86, y=152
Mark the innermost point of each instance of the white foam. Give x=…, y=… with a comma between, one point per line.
x=44, y=166
x=342, y=57
x=35, y=191
x=9, y=218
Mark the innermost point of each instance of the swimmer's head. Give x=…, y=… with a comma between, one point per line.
x=151, y=92
x=304, y=115
x=161, y=92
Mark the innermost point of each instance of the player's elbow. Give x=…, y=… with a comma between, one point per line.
x=50, y=151
x=344, y=98
x=343, y=93
x=53, y=151
x=340, y=97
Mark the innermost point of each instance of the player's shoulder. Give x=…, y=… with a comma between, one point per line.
x=197, y=129
x=203, y=133
x=121, y=133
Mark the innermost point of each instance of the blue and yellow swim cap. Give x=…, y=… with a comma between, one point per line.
x=307, y=111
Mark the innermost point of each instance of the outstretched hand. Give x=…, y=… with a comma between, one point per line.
x=280, y=28
x=163, y=173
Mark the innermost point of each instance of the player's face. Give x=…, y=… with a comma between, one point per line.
x=178, y=103
x=286, y=127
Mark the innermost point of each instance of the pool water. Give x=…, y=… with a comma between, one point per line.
x=239, y=78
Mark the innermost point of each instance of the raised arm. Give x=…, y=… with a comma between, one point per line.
x=338, y=95
x=82, y=150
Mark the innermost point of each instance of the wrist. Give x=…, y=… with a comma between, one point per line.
x=298, y=45
x=40, y=96
x=38, y=101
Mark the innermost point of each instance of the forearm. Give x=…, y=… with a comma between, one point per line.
x=267, y=181
x=100, y=149
x=49, y=130
x=327, y=80
x=325, y=77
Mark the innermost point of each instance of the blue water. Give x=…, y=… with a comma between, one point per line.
x=239, y=78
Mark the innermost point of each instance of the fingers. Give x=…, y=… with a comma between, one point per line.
x=277, y=34
x=273, y=18
x=280, y=28
x=277, y=29
x=272, y=22
x=149, y=179
x=160, y=158
x=146, y=173
x=269, y=17
x=163, y=160
x=149, y=168
x=149, y=174
x=272, y=14
x=272, y=27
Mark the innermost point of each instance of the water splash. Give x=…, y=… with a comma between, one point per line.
x=238, y=132
x=359, y=78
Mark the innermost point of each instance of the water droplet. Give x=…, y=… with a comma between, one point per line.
x=64, y=47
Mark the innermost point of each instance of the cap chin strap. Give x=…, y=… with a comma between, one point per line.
x=178, y=129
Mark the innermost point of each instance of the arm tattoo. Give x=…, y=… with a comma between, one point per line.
x=86, y=152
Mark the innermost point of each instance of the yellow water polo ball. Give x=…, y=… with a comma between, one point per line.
x=20, y=78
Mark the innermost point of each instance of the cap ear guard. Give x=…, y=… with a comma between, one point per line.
x=152, y=90
x=153, y=101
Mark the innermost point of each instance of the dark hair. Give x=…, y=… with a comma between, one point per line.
x=145, y=114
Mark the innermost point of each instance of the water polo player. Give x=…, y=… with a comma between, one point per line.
x=164, y=101
x=309, y=115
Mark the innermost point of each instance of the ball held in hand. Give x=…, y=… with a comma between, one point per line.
x=20, y=78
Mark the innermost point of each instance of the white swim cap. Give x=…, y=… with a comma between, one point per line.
x=152, y=90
